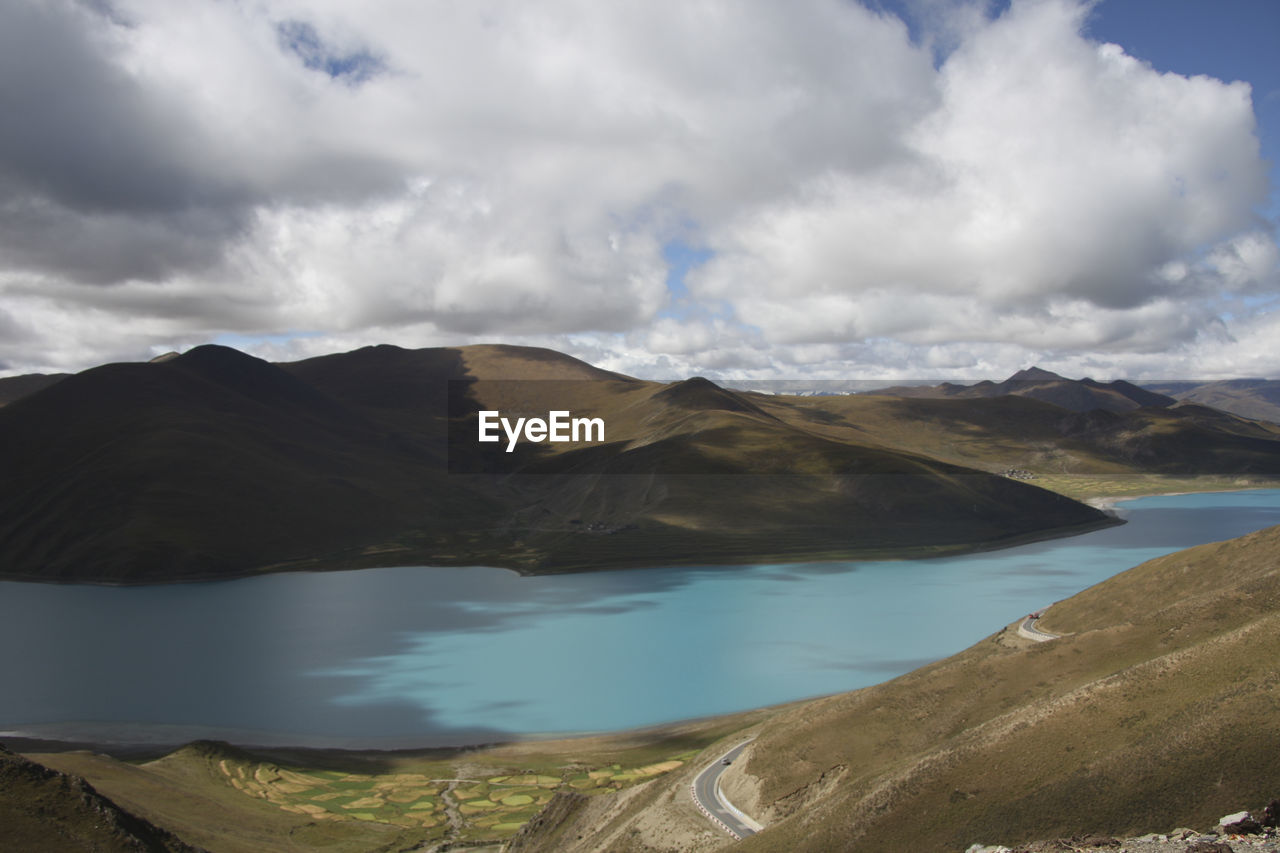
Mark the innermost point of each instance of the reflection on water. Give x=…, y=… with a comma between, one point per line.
x=444, y=655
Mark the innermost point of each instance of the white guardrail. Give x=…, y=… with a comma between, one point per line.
x=693, y=792
x=721, y=799
x=741, y=815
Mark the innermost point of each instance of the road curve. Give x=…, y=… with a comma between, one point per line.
x=1029, y=630
x=713, y=804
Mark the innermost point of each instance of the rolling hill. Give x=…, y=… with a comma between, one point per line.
x=1156, y=708
x=217, y=464
x=1056, y=447
x=1078, y=395
x=1248, y=398
x=46, y=810
x=16, y=387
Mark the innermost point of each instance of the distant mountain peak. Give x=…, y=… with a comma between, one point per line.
x=1035, y=374
x=701, y=393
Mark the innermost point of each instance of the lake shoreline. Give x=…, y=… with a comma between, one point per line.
x=903, y=554
x=1105, y=503
x=465, y=733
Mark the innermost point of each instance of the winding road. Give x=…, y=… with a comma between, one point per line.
x=706, y=785
x=712, y=803
x=1029, y=630
x=716, y=806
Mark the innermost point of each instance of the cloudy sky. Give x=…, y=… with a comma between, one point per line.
x=897, y=188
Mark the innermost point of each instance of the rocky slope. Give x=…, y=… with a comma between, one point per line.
x=1237, y=832
x=44, y=810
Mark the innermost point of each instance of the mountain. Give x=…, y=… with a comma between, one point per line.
x=46, y=810
x=209, y=464
x=217, y=464
x=1046, y=441
x=16, y=387
x=1248, y=398
x=1077, y=395
x=1155, y=709
x=1035, y=374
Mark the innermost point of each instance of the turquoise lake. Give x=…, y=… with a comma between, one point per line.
x=426, y=656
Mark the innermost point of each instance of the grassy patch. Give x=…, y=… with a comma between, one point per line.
x=356, y=801
x=492, y=807
x=517, y=800
x=1084, y=487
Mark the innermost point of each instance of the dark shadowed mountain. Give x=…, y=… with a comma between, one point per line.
x=16, y=387
x=209, y=464
x=217, y=464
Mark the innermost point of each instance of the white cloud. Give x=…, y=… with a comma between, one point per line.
x=427, y=173
x=1247, y=262
x=1052, y=186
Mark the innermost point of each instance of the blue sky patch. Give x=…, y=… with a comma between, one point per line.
x=301, y=39
x=681, y=258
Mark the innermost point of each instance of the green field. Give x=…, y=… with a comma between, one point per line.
x=1086, y=487
x=227, y=799
x=435, y=799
